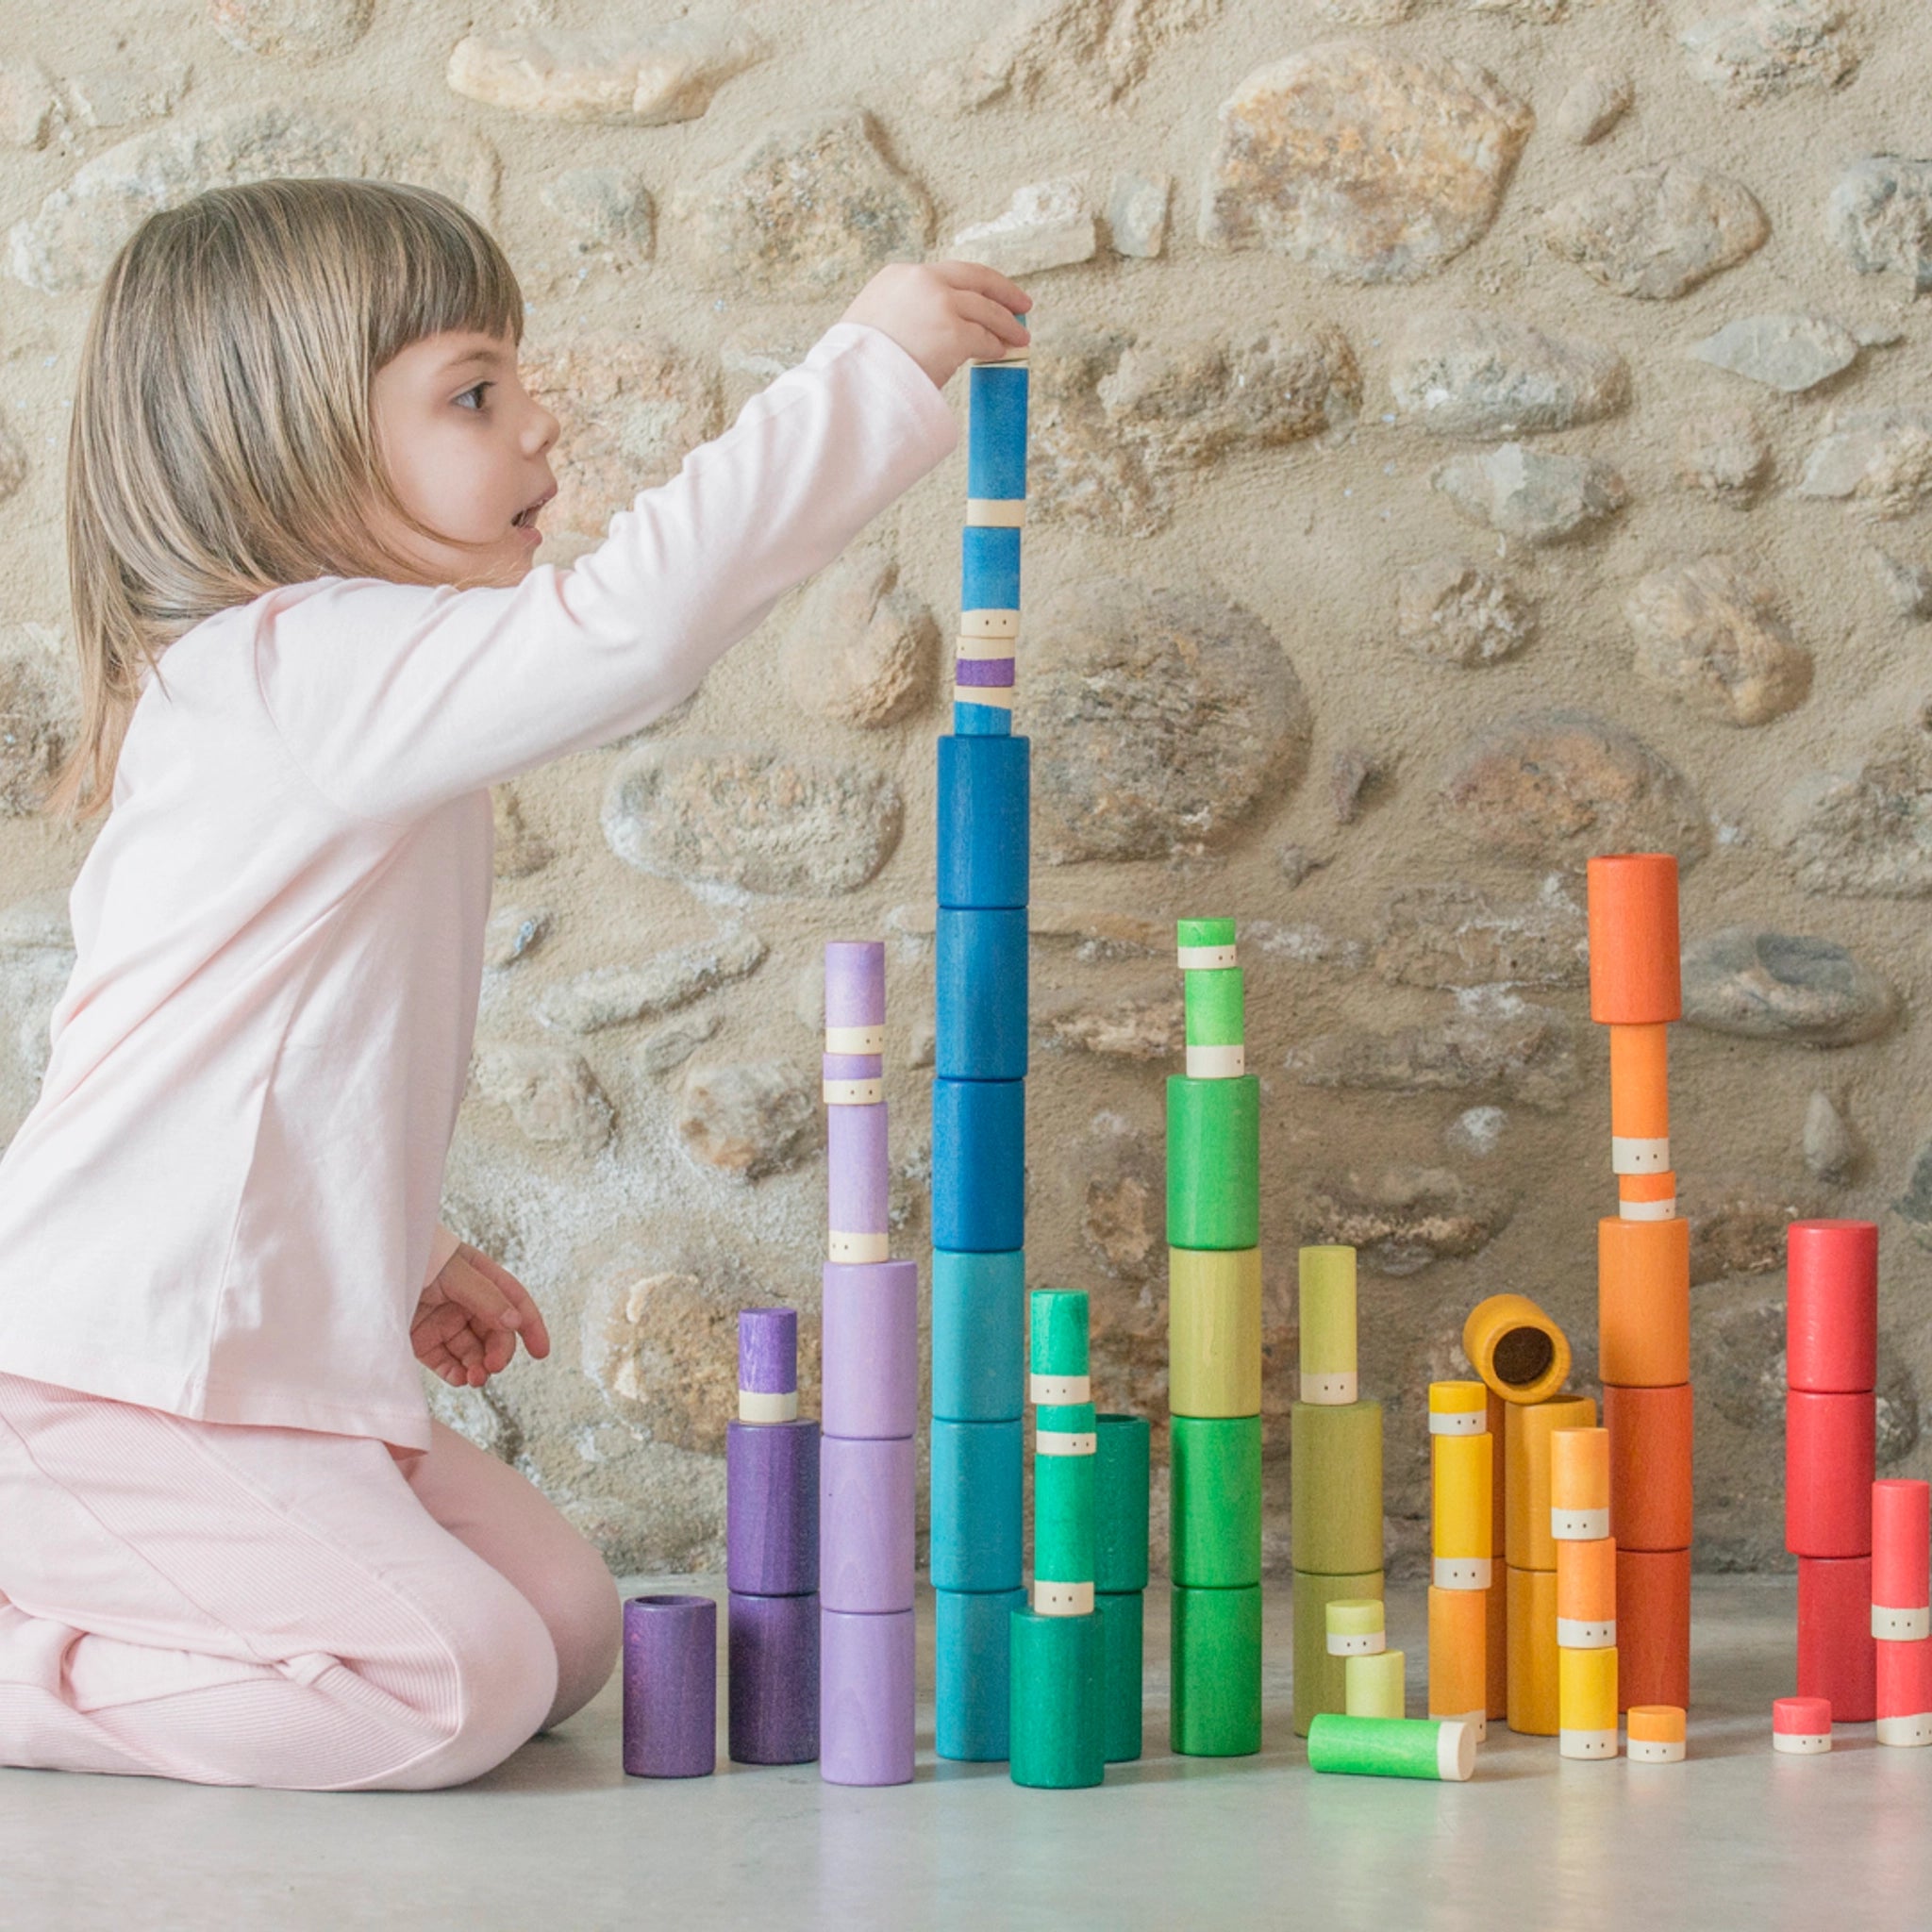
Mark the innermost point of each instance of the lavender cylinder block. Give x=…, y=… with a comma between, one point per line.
x=871, y=1349
x=774, y=1708
x=866, y=1504
x=852, y=1066
x=670, y=1685
x=865, y=1674
x=771, y=1507
x=767, y=1351
x=854, y=983
x=858, y=1174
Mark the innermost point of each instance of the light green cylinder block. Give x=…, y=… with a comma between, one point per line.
x=1372, y=1686
x=1215, y=1651
x=1216, y=1501
x=1391, y=1747
x=1204, y=932
x=1335, y=1486
x=1214, y=1004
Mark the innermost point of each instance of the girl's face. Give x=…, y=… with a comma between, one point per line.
x=467, y=450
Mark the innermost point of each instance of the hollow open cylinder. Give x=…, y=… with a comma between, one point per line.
x=1518, y=1351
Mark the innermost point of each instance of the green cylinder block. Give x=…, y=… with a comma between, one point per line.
x=1335, y=1486
x=1214, y=1163
x=1120, y=1503
x=1328, y=1310
x=1121, y=1615
x=1065, y=1419
x=1056, y=1722
x=1202, y=932
x=1056, y=1330
x=1213, y=1003
x=1391, y=1747
x=1216, y=1508
x=1063, y=1518
x=1320, y=1682
x=1216, y=1659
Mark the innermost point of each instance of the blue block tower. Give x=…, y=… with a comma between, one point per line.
x=978, y=1101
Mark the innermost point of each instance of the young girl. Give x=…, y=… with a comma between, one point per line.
x=303, y=498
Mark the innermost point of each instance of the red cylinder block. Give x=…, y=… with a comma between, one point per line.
x=1654, y=1627
x=1905, y=1679
x=1650, y=1469
x=1829, y=1445
x=1831, y=1306
x=1902, y=1544
x=1836, y=1652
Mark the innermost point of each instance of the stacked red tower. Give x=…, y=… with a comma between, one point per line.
x=1643, y=1277
x=1831, y=1369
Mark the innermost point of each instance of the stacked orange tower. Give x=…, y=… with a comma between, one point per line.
x=1643, y=1277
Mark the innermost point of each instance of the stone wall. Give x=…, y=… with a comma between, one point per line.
x=1469, y=434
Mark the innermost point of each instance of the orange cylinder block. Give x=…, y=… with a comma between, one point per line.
x=1587, y=1582
x=1654, y=1627
x=1643, y=1301
x=1634, y=978
x=1650, y=1432
x=1639, y=1083
x=1496, y=1598
x=1580, y=1471
x=1647, y=1196
x=1527, y=1541
x=1458, y=1653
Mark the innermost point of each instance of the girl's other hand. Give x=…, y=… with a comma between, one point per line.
x=942, y=313
x=467, y=1323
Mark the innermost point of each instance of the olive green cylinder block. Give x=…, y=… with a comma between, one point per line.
x=1216, y=1508
x=1122, y=1621
x=1214, y=1163
x=1055, y=1720
x=1321, y=1681
x=1120, y=1504
x=1214, y=1331
x=1335, y=1493
x=1216, y=1659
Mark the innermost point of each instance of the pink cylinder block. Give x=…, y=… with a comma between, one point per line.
x=1831, y=1306
x=870, y=1349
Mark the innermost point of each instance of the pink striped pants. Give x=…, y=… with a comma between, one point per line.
x=235, y=1604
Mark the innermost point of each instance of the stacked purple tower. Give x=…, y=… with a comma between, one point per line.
x=772, y=1549
x=871, y=1400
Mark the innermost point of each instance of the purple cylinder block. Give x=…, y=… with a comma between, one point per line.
x=670, y=1685
x=768, y=1350
x=854, y=1066
x=771, y=1507
x=773, y=1643
x=871, y=1349
x=865, y=1699
x=865, y=1506
x=989, y=673
x=857, y=1176
x=856, y=983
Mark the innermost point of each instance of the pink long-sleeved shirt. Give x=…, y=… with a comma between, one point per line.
x=223, y=1203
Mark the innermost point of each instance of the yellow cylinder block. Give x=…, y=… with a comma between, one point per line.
x=1462, y=1469
x=1533, y=1706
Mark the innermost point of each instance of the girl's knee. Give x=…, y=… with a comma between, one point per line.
x=585, y=1616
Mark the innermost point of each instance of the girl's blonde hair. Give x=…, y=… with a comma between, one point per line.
x=223, y=441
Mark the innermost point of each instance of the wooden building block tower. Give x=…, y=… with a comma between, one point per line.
x=772, y=1550
x=1902, y=1610
x=1586, y=1703
x=866, y=1469
x=1462, y=1457
x=1215, y=1358
x=1335, y=1476
x=1643, y=1277
x=1831, y=1415
x=979, y=1124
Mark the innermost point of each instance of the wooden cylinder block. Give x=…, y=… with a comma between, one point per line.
x=972, y=1647
x=988, y=568
x=1460, y=1474
x=1587, y=1583
x=1526, y=1433
x=870, y=1349
x=1214, y=1163
x=1057, y=1718
x=1643, y=1301
x=979, y=1337
x=1123, y=1634
x=1647, y=1196
x=980, y=995
x=1216, y=1490
x=1586, y=1690
x=1651, y=1436
x=976, y=1505
x=1640, y=1084
x=1905, y=1692
x=1635, y=979
x=1393, y=1748
x=1498, y=1598
x=1580, y=1474
x=981, y=719
x=1831, y=1306
x=1901, y=1547
x=1120, y=1503
x=772, y=1674
x=1215, y=1660
x=866, y=1502
x=983, y=801
x=1458, y=1655
x=979, y=1165
x=1372, y=1683
x=1654, y=1626
x=1335, y=1480
x=1214, y=1331
x=1213, y=1007
x=1063, y=1519
x=1327, y=1304
x=996, y=398
x=1837, y=1656
x=1516, y=1348
x=1533, y=1706
x=1056, y=1331
x=1829, y=1452
x=1320, y=1682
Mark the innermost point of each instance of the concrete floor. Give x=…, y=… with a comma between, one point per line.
x=559, y=1838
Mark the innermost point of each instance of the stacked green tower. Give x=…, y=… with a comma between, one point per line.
x=1215, y=1358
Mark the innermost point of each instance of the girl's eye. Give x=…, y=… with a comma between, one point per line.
x=478, y=392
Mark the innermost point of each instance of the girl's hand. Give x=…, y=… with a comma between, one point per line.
x=467, y=1323
x=943, y=313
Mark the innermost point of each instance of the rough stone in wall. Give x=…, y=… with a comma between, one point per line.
x=1091, y=52
x=611, y=995
x=751, y=1118
x=862, y=647
x=1592, y=104
x=1878, y=459
x=550, y=1094
x=750, y=818
x=808, y=211
x=1364, y=12
x=1772, y=47
x=1830, y=1146
x=1908, y=584
x=1097, y=935
x=518, y=851
x=1046, y=224
x=36, y=961
x=1659, y=231
x=1453, y=612
x=673, y=1043
x=1555, y=787
x=1368, y=167
x=1790, y=353
x=80, y=228
x=607, y=213
x=1403, y=1218
x=28, y=104
x=1868, y=835
x=1880, y=214
x=1467, y=373
x=38, y=715
x=1915, y=1204
x=1724, y=454
x=102, y=97
x=1780, y=986
x=1710, y=633
x=1357, y=776
x=1532, y=495
x=515, y=933
x=1454, y=936
x=1137, y=214
x=644, y=77
x=630, y=409
x=1117, y=1180
x=1161, y=720
x=1143, y=1023
x=1738, y=1228
x=306, y=29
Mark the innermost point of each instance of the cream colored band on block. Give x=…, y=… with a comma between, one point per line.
x=995, y=512
x=990, y=624
x=1810, y=1743
x=1462, y=1572
x=1217, y=1062
x=1573, y=1633
x=1006, y=362
x=1456, y=1752
x=999, y=696
x=1648, y=1211
x=1329, y=1391
x=1900, y=1627
x=761, y=1405
x=858, y=1247
x=1357, y=1642
x=852, y=1092
x=1655, y=1750
x=1205, y=959
x=1587, y=1743
x=1065, y=1441
x=1062, y=1599
x=1054, y=1389
x=1907, y=1731
x=855, y=1040
x=1460, y=1422
x=1477, y=1722
x=1639, y=1157
x=1579, y=1525
x=985, y=650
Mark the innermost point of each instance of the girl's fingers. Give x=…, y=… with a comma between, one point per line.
x=986, y=281
x=983, y=314
x=529, y=1323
